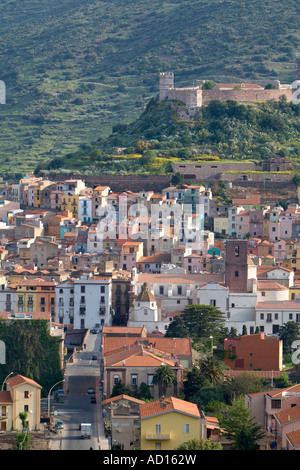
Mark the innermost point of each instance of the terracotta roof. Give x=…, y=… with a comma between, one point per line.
x=294, y=438
x=270, y=285
x=268, y=374
x=122, y=397
x=5, y=398
x=280, y=305
x=288, y=415
x=179, y=279
x=20, y=379
x=168, y=405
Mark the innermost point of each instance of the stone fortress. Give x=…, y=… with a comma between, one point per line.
x=197, y=96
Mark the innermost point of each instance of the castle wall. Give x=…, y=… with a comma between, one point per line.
x=245, y=95
x=191, y=97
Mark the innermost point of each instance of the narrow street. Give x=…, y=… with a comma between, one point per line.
x=77, y=406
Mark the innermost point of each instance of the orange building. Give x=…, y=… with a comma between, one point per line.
x=36, y=295
x=252, y=352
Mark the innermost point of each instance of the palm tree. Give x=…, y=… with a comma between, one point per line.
x=164, y=376
x=212, y=369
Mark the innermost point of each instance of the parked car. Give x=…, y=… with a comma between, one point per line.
x=60, y=425
x=95, y=331
x=93, y=400
x=94, y=357
x=91, y=390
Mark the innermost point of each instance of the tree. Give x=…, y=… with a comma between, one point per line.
x=176, y=329
x=164, y=376
x=237, y=426
x=177, y=179
x=241, y=385
x=200, y=444
x=289, y=332
x=120, y=389
x=195, y=380
x=212, y=369
x=144, y=392
x=203, y=321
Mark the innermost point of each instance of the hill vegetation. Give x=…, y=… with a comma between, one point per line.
x=73, y=69
x=222, y=131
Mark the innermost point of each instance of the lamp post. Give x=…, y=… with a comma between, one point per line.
x=50, y=394
x=6, y=379
x=212, y=344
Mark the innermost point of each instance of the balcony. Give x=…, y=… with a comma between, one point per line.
x=158, y=437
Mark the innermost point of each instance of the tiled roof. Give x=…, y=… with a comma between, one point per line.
x=5, y=398
x=288, y=415
x=179, y=279
x=167, y=405
x=294, y=438
x=20, y=379
x=281, y=305
x=122, y=397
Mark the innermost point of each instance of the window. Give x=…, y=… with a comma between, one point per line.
x=26, y=394
x=179, y=290
x=262, y=316
x=150, y=380
x=276, y=404
x=145, y=311
x=263, y=294
x=116, y=379
x=82, y=289
x=212, y=302
x=134, y=380
x=186, y=428
x=158, y=429
x=161, y=290
x=236, y=274
x=102, y=289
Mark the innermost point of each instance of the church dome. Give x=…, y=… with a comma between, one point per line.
x=145, y=295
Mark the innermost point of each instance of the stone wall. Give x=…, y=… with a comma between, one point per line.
x=210, y=170
x=121, y=182
x=245, y=95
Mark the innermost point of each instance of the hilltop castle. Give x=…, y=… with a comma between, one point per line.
x=197, y=96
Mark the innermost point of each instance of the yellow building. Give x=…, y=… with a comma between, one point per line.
x=69, y=202
x=167, y=423
x=21, y=395
x=221, y=225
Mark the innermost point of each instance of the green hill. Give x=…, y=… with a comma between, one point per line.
x=73, y=69
x=222, y=130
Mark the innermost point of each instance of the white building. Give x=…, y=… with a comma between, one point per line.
x=85, y=302
x=85, y=209
x=270, y=316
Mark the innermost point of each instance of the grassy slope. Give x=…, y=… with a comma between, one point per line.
x=107, y=54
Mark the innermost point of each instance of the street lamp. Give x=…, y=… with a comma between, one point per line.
x=5, y=380
x=212, y=344
x=50, y=394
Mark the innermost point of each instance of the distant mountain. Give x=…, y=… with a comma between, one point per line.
x=73, y=69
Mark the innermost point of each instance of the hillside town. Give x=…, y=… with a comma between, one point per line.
x=128, y=265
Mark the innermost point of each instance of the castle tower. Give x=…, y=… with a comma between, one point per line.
x=166, y=81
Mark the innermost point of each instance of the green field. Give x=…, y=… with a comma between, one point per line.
x=73, y=69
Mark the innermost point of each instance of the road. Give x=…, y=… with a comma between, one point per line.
x=76, y=407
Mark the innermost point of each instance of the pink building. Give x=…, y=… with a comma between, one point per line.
x=256, y=223
x=130, y=254
x=243, y=219
x=195, y=263
x=267, y=406
x=279, y=251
